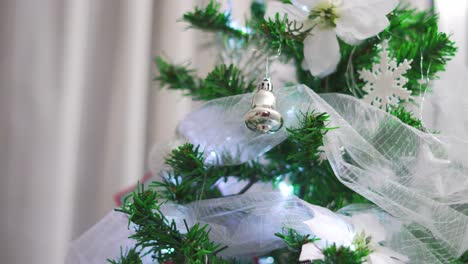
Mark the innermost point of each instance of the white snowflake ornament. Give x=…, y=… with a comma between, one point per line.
x=385, y=82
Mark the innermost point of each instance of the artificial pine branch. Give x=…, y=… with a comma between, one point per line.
x=189, y=178
x=294, y=242
x=186, y=160
x=187, y=181
x=131, y=257
x=308, y=137
x=414, y=35
x=223, y=80
x=280, y=35
x=463, y=259
x=298, y=157
x=257, y=9
x=343, y=255
x=333, y=254
x=212, y=19
x=406, y=117
x=176, y=77
x=160, y=237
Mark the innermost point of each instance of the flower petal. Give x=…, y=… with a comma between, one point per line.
x=307, y=5
x=359, y=24
x=348, y=37
x=370, y=225
x=310, y=252
x=293, y=12
x=377, y=6
x=321, y=52
x=330, y=227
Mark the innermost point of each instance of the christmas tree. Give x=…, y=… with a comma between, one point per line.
x=341, y=137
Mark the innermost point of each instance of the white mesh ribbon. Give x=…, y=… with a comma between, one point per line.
x=104, y=240
x=415, y=176
x=419, y=179
x=245, y=223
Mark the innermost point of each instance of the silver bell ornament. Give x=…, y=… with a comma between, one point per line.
x=263, y=117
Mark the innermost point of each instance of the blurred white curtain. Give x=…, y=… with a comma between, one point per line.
x=78, y=112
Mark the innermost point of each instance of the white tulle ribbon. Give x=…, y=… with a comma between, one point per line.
x=344, y=230
x=245, y=223
x=415, y=176
x=419, y=179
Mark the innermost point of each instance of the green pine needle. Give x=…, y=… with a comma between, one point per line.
x=463, y=259
x=298, y=157
x=211, y=19
x=342, y=255
x=347, y=255
x=406, y=117
x=257, y=9
x=188, y=179
x=414, y=35
x=222, y=81
x=281, y=35
x=176, y=77
x=131, y=257
x=160, y=237
x=294, y=242
x=186, y=160
x=308, y=137
x=332, y=254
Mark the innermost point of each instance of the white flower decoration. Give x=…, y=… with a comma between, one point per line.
x=343, y=231
x=351, y=20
